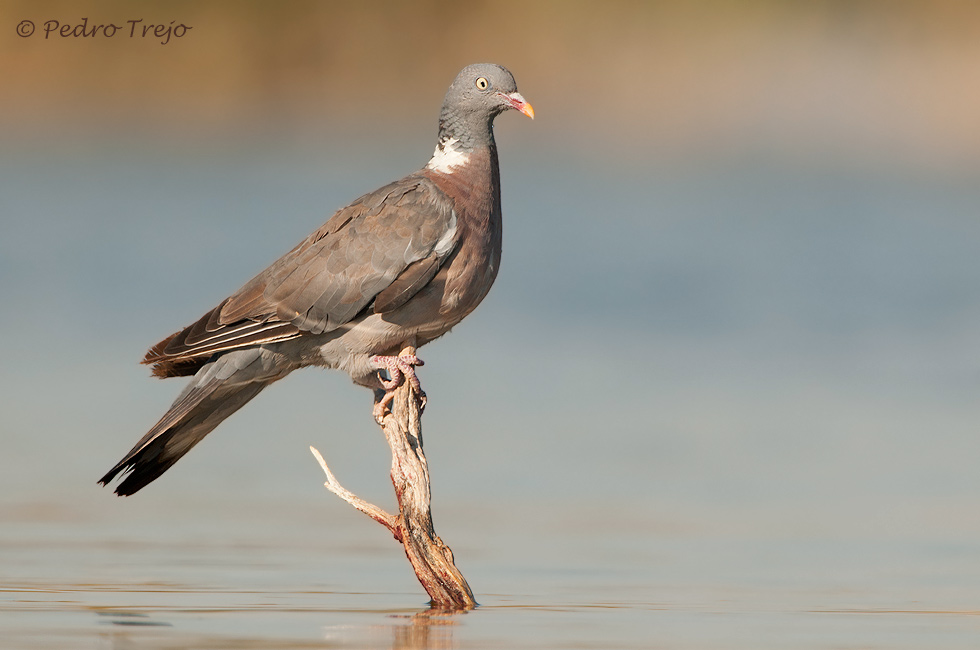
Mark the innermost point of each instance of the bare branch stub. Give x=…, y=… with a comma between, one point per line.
x=430, y=557
x=387, y=520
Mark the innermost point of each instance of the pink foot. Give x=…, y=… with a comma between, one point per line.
x=399, y=368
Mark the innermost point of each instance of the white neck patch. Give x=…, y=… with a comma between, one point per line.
x=447, y=157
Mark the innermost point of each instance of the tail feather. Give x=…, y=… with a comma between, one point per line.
x=197, y=411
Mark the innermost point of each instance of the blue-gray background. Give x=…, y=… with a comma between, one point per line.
x=731, y=363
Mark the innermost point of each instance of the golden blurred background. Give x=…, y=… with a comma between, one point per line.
x=889, y=80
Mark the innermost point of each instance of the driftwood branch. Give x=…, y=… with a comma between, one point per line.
x=412, y=526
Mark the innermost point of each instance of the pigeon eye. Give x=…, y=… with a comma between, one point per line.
x=482, y=83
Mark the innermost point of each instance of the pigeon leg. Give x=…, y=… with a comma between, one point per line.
x=400, y=368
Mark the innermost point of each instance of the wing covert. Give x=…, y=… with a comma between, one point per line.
x=337, y=271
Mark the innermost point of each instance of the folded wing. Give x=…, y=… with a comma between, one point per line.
x=377, y=252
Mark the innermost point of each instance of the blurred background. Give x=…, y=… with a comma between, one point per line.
x=731, y=360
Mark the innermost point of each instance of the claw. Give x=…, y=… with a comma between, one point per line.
x=399, y=369
x=381, y=408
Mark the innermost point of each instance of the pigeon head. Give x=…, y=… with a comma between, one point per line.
x=479, y=93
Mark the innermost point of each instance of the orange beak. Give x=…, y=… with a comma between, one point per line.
x=518, y=102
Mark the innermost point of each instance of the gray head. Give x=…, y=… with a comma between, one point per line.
x=480, y=92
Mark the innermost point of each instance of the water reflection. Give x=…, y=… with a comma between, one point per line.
x=432, y=628
x=424, y=630
x=130, y=619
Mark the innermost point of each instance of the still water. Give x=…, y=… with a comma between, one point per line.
x=729, y=405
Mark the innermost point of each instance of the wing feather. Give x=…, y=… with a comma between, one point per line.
x=381, y=249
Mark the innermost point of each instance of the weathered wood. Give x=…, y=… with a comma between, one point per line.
x=412, y=526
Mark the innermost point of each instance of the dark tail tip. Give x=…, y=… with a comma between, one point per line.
x=111, y=474
x=139, y=470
